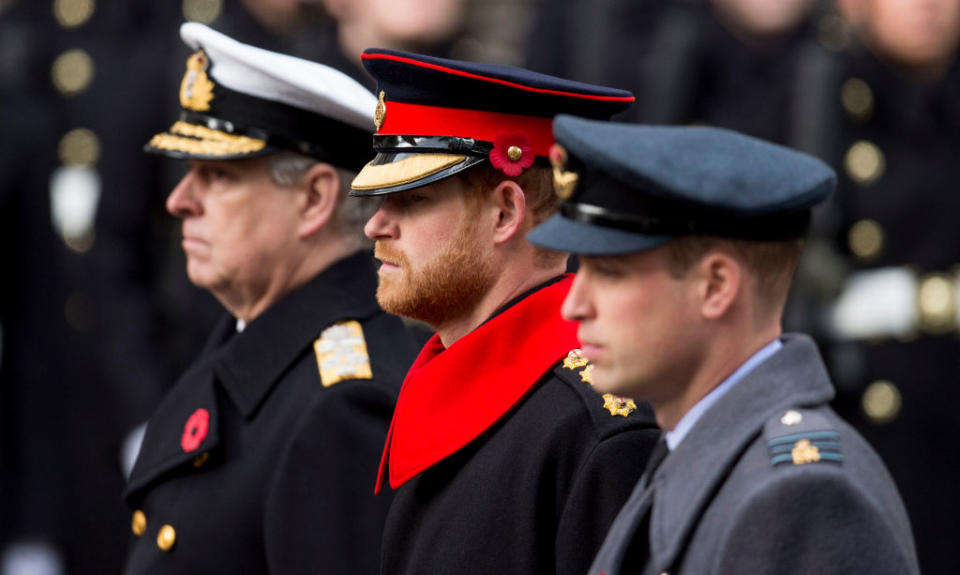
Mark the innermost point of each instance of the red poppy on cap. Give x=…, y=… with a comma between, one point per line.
x=195, y=431
x=511, y=153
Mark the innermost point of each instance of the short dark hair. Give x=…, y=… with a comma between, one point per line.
x=772, y=263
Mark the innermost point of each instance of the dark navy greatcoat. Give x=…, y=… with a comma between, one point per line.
x=277, y=477
x=769, y=480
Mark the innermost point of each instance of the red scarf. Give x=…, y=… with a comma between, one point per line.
x=451, y=396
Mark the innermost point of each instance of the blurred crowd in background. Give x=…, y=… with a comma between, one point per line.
x=97, y=317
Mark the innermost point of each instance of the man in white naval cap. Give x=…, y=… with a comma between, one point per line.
x=261, y=458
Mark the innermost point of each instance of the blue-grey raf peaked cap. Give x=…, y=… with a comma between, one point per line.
x=628, y=188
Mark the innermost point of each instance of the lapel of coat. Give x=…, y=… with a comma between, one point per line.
x=690, y=477
x=187, y=422
x=248, y=365
x=623, y=532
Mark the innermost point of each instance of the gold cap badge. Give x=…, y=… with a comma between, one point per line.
x=196, y=88
x=564, y=181
x=381, y=112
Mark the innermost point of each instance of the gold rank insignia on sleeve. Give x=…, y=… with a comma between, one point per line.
x=803, y=452
x=342, y=353
x=196, y=88
x=806, y=447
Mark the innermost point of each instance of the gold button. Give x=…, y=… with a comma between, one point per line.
x=857, y=99
x=937, y=303
x=73, y=13
x=203, y=11
x=166, y=538
x=866, y=239
x=864, y=162
x=199, y=460
x=139, y=523
x=881, y=402
x=72, y=72
x=514, y=153
x=79, y=147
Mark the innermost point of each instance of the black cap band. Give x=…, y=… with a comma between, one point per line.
x=599, y=200
x=286, y=127
x=431, y=145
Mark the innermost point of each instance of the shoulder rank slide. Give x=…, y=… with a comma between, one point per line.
x=616, y=405
x=799, y=438
x=342, y=353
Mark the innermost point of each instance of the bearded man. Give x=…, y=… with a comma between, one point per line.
x=504, y=459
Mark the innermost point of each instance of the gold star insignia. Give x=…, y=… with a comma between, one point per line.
x=616, y=405
x=587, y=375
x=574, y=360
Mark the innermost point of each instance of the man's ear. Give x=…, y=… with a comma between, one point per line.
x=322, y=189
x=721, y=281
x=510, y=204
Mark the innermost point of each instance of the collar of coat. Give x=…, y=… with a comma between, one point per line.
x=684, y=485
x=255, y=360
x=452, y=396
x=248, y=365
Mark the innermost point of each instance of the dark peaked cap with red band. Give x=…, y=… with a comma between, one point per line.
x=437, y=117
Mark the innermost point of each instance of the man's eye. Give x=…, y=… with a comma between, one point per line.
x=603, y=269
x=607, y=271
x=410, y=199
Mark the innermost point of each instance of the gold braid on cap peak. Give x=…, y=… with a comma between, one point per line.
x=200, y=140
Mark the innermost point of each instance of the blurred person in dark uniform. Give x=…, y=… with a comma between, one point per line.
x=504, y=458
x=76, y=116
x=688, y=239
x=891, y=325
x=730, y=63
x=258, y=459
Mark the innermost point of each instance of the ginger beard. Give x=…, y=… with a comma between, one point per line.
x=446, y=288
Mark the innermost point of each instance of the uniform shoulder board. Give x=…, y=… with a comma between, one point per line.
x=575, y=364
x=342, y=353
x=801, y=437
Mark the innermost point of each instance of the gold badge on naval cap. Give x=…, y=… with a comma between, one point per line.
x=196, y=88
x=564, y=181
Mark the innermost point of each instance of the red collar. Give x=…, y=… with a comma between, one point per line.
x=449, y=399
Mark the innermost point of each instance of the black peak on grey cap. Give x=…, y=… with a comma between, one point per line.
x=629, y=188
